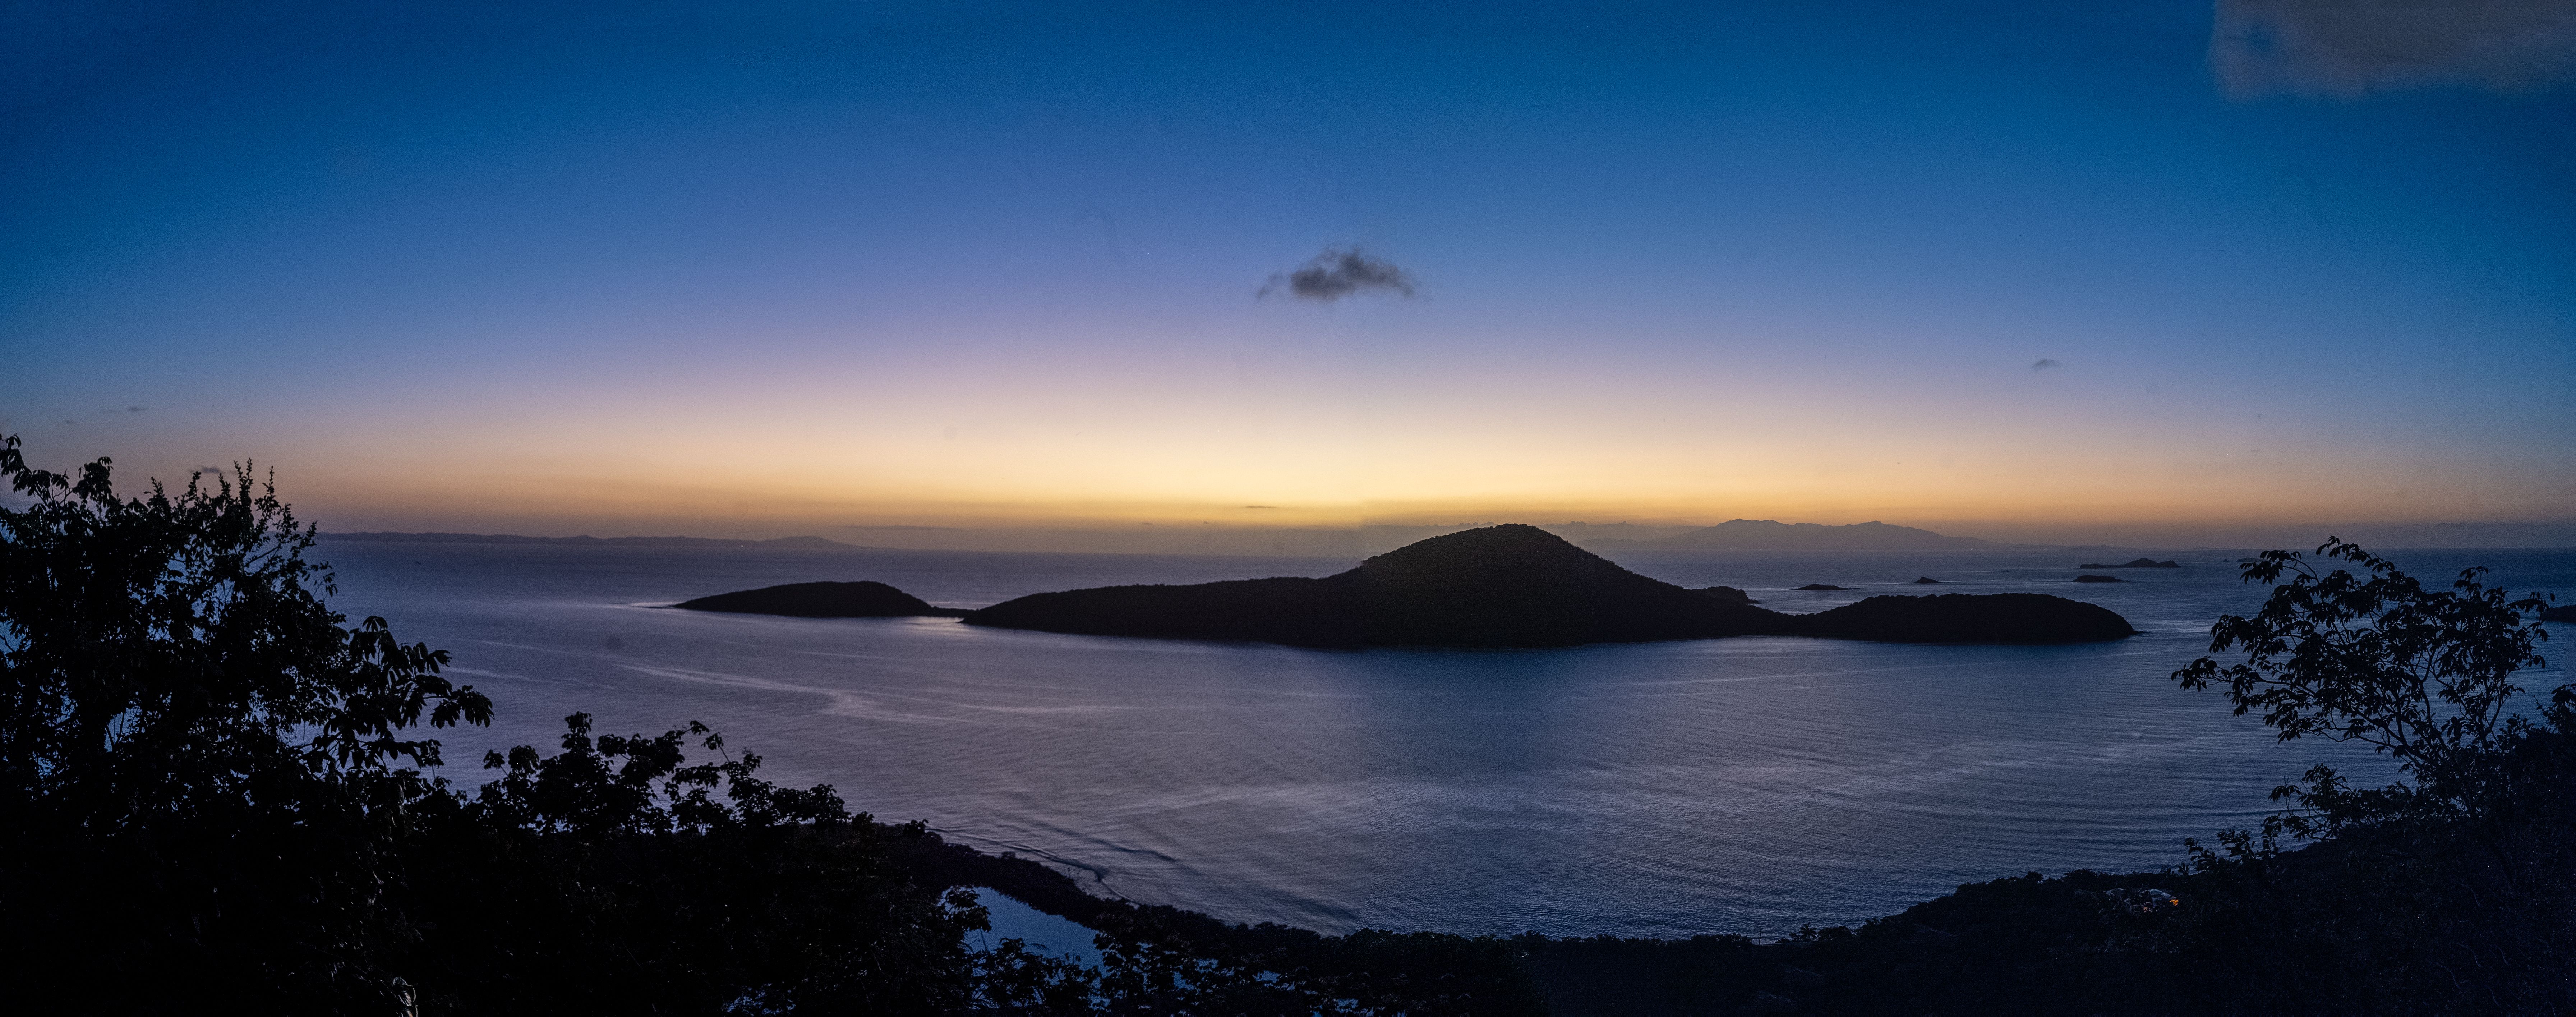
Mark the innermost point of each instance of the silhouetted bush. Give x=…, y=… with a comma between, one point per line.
x=212, y=793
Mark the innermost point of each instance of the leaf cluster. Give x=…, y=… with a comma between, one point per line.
x=2423, y=675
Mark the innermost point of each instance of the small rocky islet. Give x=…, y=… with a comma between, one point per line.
x=1496, y=587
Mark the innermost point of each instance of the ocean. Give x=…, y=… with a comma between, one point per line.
x=1671, y=789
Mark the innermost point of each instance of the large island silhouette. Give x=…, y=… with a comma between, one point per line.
x=1498, y=587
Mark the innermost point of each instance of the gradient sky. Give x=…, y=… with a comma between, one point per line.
x=755, y=269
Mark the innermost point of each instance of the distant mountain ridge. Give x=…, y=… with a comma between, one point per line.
x=790, y=543
x=1773, y=535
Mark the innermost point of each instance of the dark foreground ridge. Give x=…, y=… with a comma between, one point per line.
x=2031, y=945
x=1518, y=586
x=823, y=600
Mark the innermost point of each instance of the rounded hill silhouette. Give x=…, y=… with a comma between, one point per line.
x=1516, y=586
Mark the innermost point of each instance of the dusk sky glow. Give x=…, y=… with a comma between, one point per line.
x=2024, y=271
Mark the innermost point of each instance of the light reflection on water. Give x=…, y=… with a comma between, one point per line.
x=1745, y=785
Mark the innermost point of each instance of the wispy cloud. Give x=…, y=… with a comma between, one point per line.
x=2351, y=48
x=1339, y=272
x=2044, y=363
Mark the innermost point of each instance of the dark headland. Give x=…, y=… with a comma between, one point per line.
x=1520, y=586
x=2135, y=563
x=823, y=600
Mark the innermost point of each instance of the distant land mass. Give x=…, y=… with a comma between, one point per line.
x=864, y=599
x=1498, y=587
x=1772, y=535
x=2135, y=563
x=1521, y=586
x=789, y=543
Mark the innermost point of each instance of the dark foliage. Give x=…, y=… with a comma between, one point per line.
x=2451, y=890
x=863, y=599
x=2012, y=946
x=613, y=875
x=198, y=764
x=211, y=792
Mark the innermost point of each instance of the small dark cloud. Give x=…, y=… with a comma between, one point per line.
x=134, y=409
x=2347, y=49
x=207, y=469
x=2044, y=363
x=1340, y=272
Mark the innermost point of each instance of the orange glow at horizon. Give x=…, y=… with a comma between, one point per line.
x=1112, y=449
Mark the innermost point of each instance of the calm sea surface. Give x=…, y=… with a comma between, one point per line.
x=1741, y=785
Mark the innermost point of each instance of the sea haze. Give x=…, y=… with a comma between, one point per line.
x=1742, y=785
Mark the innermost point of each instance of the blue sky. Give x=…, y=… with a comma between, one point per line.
x=770, y=268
